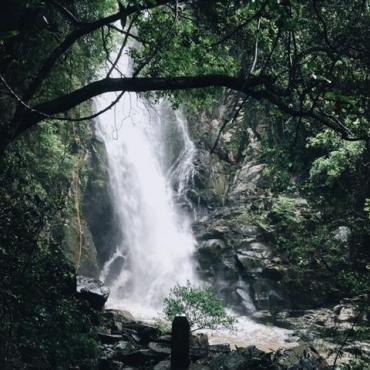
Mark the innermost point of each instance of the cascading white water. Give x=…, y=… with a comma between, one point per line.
x=150, y=164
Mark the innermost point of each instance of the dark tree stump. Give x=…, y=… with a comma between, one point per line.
x=180, y=344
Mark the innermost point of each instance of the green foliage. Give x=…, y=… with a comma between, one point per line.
x=7, y=35
x=342, y=158
x=200, y=305
x=37, y=286
x=42, y=322
x=284, y=208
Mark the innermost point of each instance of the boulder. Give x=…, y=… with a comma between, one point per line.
x=107, y=364
x=249, y=358
x=210, y=180
x=145, y=333
x=219, y=348
x=211, y=249
x=160, y=347
x=162, y=365
x=342, y=234
x=199, y=346
x=351, y=310
x=247, y=180
x=140, y=357
x=303, y=357
x=114, y=320
x=106, y=338
x=93, y=291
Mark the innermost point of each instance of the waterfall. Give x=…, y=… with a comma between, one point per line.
x=150, y=165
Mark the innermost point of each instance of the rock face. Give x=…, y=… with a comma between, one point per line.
x=211, y=181
x=93, y=291
x=234, y=256
x=247, y=180
x=233, y=253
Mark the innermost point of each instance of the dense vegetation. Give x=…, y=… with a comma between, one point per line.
x=301, y=67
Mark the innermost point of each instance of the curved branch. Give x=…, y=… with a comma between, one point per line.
x=259, y=87
x=81, y=31
x=66, y=13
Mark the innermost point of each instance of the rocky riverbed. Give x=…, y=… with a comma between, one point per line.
x=129, y=344
x=306, y=339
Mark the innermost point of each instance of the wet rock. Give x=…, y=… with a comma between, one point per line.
x=114, y=320
x=93, y=291
x=199, y=346
x=255, y=258
x=247, y=180
x=118, y=315
x=145, y=332
x=109, y=338
x=107, y=351
x=342, y=234
x=346, y=313
x=140, y=357
x=249, y=358
x=164, y=339
x=220, y=348
x=123, y=345
x=211, y=249
x=351, y=310
x=163, y=365
x=107, y=364
x=160, y=347
x=210, y=181
x=303, y=357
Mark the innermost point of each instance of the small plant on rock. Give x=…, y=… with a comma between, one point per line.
x=200, y=305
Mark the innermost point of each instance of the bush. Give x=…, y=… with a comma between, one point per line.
x=200, y=305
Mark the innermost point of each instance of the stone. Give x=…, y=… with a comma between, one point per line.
x=164, y=339
x=118, y=315
x=303, y=357
x=93, y=291
x=109, y=338
x=180, y=343
x=342, y=234
x=163, y=365
x=211, y=248
x=210, y=181
x=199, y=346
x=123, y=346
x=116, y=327
x=114, y=320
x=219, y=348
x=160, y=348
x=140, y=357
x=249, y=358
x=247, y=179
x=107, y=364
x=145, y=332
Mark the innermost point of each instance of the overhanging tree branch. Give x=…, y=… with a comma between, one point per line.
x=81, y=31
x=259, y=88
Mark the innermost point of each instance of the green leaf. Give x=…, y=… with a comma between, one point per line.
x=8, y=35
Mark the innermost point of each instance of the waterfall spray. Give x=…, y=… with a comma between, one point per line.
x=150, y=166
